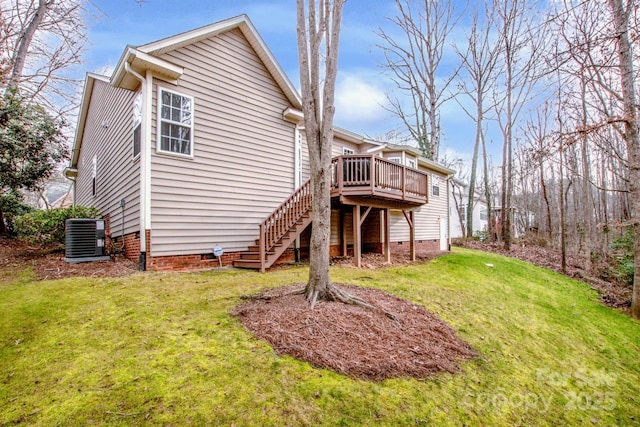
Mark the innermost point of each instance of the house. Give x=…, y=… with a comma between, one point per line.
x=458, y=201
x=196, y=141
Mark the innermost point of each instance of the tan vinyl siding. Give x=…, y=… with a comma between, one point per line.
x=109, y=137
x=427, y=217
x=243, y=163
x=339, y=144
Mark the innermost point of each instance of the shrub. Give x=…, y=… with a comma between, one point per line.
x=47, y=226
x=623, y=253
x=483, y=236
x=12, y=207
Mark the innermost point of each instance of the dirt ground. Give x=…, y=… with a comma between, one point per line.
x=356, y=341
x=49, y=263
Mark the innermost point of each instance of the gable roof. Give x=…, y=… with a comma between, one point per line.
x=148, y=54
x=137, y=59
x=87, y=91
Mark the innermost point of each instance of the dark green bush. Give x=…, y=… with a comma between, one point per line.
x=623, y=253
x=12, y=207
x=47, y=227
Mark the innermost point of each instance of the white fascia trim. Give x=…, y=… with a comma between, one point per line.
x=293, y=115
x=248, y=30
x=348, y=135
x=140, y=62
x=87, y=91
x=376, y=149
x=192, y=36
x=270, y=61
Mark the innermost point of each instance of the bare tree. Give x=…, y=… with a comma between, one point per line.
x=520, y=53
x=479, y=62
x=46, y=39
x=621, y=12
x=413, y=61
x=318, y=41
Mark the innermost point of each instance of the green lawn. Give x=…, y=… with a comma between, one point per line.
x=162, y=349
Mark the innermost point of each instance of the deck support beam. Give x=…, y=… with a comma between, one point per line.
x=386, y=249
x=357, y=237
x=408, y=215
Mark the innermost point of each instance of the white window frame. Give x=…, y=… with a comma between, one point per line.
x=160, y=120
x=346, y=151
x=435, y=183
x=411, y=163
x=137, y=124
x=395, y=159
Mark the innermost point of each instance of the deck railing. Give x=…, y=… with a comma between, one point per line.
x=354, y=172
x=283, y=218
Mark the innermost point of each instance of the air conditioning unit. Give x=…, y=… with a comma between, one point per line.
x=84, y=240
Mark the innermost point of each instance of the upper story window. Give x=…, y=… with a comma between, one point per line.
x=395, y=159
x=346, y=151
x=175, y=117
x=435, y=185
x=137, y=124
x=411, y=163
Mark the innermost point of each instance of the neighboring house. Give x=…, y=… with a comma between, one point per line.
x=458, y=201
x=196, y=141
x=520, y=222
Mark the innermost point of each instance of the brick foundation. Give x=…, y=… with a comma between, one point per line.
x=421, y=246
x=131, y=250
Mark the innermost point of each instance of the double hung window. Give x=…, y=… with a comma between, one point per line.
x=175, y=121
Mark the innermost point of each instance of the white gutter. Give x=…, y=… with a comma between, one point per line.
x=144, y=155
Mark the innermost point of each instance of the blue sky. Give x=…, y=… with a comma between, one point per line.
x=361, y=86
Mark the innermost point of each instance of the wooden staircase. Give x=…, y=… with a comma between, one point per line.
x=279, y=230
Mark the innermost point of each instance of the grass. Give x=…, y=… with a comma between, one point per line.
x=162, y=349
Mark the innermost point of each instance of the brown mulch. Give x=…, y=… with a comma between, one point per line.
x=612, y=294
x=48, y=262
x=356, y=341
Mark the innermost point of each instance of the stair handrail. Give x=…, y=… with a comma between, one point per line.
x=283, y=218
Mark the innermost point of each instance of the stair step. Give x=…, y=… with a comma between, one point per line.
x=246, y=263
x=253, y=255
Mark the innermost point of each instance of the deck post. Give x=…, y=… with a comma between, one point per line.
x=387, y=235
x=412, y=238
x=357, y=252
x=412, y=234
x=262, y=243
x=372, y=173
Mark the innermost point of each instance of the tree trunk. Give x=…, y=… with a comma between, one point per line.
x=563, y=232
x=474, y=166
x=24, y=42
x=319, y=27
x=631, y=134
x=487, y=192
x=3, y=227
x=586, y=185
x=319, y=280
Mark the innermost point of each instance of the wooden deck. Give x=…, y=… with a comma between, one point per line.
x=374, y=181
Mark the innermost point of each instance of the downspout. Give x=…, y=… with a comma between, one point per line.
x=449, y=212
x=297, y=171
x=144, y=153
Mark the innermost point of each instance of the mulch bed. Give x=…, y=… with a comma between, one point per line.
x=612, y=294
x=356, y=341
x=48, y=262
